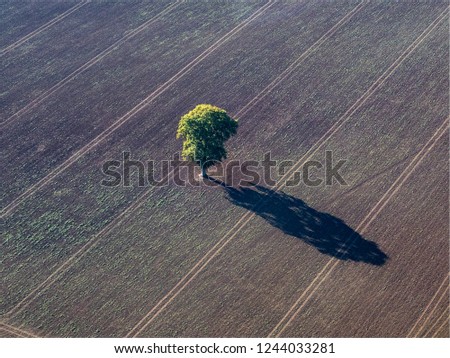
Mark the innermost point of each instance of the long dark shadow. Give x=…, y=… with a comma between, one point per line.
x=327, y=233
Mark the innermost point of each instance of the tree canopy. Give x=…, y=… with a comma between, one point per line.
x=204, y=131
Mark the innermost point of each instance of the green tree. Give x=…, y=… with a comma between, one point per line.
x=204, y=131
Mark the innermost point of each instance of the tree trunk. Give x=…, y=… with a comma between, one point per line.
x=203, y=174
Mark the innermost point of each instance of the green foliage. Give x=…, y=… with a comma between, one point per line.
x=204, y=131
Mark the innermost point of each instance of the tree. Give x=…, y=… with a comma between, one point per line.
x=204, y=131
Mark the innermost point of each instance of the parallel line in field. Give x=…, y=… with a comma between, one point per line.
x=372, y=89
x=446, y=322
x=195, y=269
x=44, y=27
x=15, y=334
x=368, y=180
x=292, y=67
x=136, y=205
x=217, y=248
x=439, y=319
x=88, y=65
x=427, y=319
x=86, y=247
x=17, y=331
x=316, y=283
x=428, y=306
x=444, y=294
x=127, y=116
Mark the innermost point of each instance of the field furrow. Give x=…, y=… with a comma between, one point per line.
x=30, y=70
x=386, y=301
x=77, y=220
x=111, y=288
x=101, y=96
x=20, y=19
x=5, y=333
x=271, y=262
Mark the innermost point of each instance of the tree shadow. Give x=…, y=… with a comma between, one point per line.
x=328, y=234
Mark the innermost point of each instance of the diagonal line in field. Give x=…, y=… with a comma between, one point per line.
x=410, y=334
x=127, y=116
x=292, y=67
x=304, y=298
x=445, y=312
x=135, y=331
x=92, y=242
x=88, y=64
x=446, y=322
x=44, y=27
x=368, y=180
x=374, y=87
x=10, y=331
x=142, y=199
x=425, y=322
x=17, y=331
x=217, y=248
